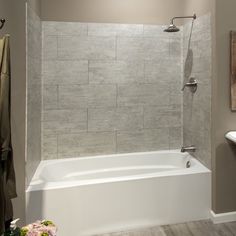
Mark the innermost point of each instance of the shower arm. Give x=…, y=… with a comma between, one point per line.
x=183, y=17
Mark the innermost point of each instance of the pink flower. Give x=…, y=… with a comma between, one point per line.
x=33, y=233
x=38, y=228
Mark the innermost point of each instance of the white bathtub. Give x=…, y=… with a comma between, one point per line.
x=93, y=195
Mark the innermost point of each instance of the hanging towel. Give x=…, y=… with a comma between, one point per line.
x=7, y=173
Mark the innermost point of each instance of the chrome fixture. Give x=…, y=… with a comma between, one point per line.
x=173, y=28
x=192, y=84
x=188, y=149
x=2, y=21
x=188, y=164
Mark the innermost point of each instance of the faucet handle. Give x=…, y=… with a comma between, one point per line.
x=192, y=84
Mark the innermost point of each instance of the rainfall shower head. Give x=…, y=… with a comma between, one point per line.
x=173, y=28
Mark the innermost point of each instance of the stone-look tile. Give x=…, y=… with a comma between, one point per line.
x=81, y=47
x=157, y=31
x=49, y=28
x=202, y=24
x=201, y=135
x=176, y=94
x=72, y=28
x=112, y=70
x=49, y=47
x=64, y=121
x=33, y=42
x=204, y=92
x=34, y=94
x=132, y=48
x=33, y=137
x=98, y=29
x=175, y=134
x=167, y=69
x=112, y=119
x=34, y=103
x=76, y=96
x=34, y=70
x=143, y=94
x=49, y=146
x=84, y=144
x=64, y=28
x=157, y=117
x=175, y=48
x=204, y=50
x=201, y=64
x=65, y=72
x=156, y=50
x=50, y=97
x=143, y=140
x=116, y=72
x=197, y=107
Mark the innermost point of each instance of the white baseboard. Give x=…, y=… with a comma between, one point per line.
x=223, y=217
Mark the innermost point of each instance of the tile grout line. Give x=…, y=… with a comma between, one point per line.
x=143, y=118
x=87, y=119
x=116, y=141
x=116, y=95
x=57, y=146
x=116, y=42
x=57, y=97
x=88, y=71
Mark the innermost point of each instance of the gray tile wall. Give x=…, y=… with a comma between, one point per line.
x=34, y=95
x=197, y=108
x=110, y=88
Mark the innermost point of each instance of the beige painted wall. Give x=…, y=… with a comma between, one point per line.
x=200, y=7
x=117, y=11
x=121, y=11
x=14, y=12
x=224, y=155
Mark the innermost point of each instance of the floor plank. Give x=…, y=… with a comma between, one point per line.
x=198, y=228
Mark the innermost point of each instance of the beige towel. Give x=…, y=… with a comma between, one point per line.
x=7, y=173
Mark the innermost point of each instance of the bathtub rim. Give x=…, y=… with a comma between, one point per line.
x=197, y=168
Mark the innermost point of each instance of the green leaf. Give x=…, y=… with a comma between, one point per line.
x=23, y=232
x=47, y=223
x=44, y=234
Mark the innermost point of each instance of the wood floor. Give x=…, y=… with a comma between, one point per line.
x=199, y=228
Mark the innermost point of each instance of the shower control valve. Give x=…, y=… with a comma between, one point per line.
x=191, y=84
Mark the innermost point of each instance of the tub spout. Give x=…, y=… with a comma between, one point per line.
x=188, y=149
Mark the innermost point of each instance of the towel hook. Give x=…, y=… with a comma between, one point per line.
x=2, y=21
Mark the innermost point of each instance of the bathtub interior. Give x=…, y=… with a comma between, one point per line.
x=118, y=167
